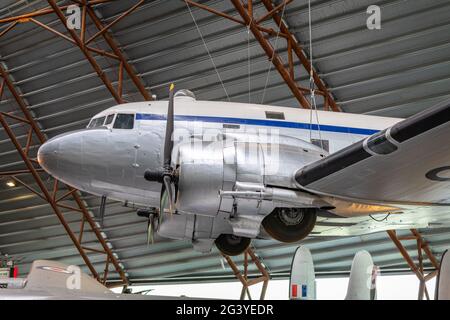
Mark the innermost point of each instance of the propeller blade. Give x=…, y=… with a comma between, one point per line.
x=102, y=209
x=166, y=170
x=167, y=189
x=168, y=143
x=150, y=227
x=166, y=174
x=163, y=200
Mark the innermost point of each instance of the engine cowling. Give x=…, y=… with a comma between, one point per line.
x=208, y=169
x=228, y=189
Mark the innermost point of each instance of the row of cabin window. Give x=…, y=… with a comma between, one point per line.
x=126, y=121
x=122, y=121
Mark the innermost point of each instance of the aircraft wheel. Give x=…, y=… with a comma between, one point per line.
x=290, y=224
x=232, y=245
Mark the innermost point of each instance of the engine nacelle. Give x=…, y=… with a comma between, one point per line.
x=208, y=169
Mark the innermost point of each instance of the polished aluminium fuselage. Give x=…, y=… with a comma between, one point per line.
x=111, y=162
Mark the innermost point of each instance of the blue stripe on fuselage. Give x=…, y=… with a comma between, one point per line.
x=259, y=122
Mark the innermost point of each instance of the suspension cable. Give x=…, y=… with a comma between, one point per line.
x=312, y=88
x=248, y=60
x=207, y=50
x=273, y=54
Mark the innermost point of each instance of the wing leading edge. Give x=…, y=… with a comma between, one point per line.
x=406, y=163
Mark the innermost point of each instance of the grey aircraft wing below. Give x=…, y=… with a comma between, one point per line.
x=408, y=163
x=50, y=280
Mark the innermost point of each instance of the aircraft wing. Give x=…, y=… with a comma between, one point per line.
x=406, y=163
x=51, y=280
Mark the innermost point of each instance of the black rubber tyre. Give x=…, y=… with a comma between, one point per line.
x=290, y=224
x=232, y=245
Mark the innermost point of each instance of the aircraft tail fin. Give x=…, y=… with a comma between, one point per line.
x=443, y=280
x=302, y=284
x=362, y=282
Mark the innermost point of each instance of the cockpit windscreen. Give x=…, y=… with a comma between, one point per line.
x=124, y=121
x=96, y=122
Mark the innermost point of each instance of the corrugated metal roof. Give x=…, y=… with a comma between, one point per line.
x=396, y=71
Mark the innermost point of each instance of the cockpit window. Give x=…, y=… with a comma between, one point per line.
x=124, y=121
x=96, y=122
x=109, y=119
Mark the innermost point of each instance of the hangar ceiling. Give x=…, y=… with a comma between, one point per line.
x=396, y=71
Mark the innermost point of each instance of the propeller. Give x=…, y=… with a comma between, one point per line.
x=166, y=174
x=102, y=209
x=150, y=229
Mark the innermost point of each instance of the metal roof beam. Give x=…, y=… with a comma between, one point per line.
x=44, y=11
x=418, y=269
x=293, y=47
x=50, y=196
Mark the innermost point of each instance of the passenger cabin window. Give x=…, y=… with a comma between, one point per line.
x=109, y=119
x=274, y=115
x=96, y=122
x=124, y=121
x=231, y=126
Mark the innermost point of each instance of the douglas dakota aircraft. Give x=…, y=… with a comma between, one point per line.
x=226, y=173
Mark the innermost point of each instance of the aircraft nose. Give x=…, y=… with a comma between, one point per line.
x=47, y=155
x=61, y=156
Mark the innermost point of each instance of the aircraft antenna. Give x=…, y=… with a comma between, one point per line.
x=311, y=82
x=207, y=50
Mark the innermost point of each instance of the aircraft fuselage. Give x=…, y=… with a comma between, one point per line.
x=111, y=162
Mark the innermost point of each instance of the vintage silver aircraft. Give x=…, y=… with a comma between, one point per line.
x=226, y=173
